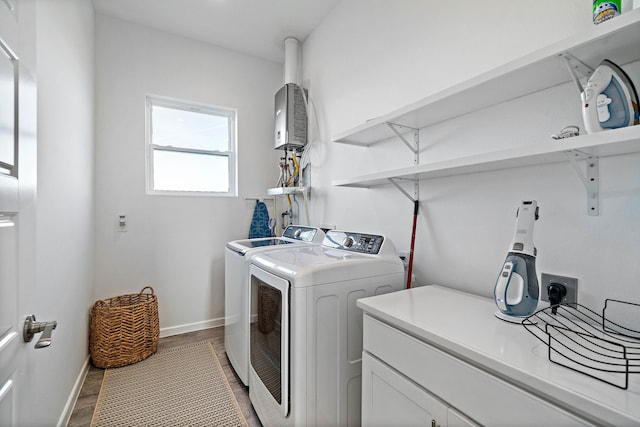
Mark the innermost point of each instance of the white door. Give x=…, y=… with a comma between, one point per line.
x=17, y=213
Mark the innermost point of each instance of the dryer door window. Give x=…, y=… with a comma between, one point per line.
x=269, y=342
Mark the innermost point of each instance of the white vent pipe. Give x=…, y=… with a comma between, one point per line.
x=291, y=47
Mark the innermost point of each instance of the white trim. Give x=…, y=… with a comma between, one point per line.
x=191, y=327
x=65, y=416
x=4, y=390
x=232, y=155
x=7, y=339
x=10, y=5
x=189, y=193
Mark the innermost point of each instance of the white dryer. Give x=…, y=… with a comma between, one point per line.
x=237, y=257
x=306, y=341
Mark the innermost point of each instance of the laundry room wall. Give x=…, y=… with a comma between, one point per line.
x=393, y=53
x=64, y=65
x=173, y=243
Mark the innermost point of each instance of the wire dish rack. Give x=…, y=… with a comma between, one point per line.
x=602, y=346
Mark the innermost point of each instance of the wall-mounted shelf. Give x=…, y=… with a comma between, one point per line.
x=617, y=40
x=285, y=191
x=602, y=144
x=293, y=191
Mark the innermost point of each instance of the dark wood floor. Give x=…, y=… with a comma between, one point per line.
x=83, y=410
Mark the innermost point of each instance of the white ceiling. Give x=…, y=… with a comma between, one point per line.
x=254, y=27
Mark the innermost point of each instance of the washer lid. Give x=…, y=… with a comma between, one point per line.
x=245, y=245
x=316, y=265
x=292, y=234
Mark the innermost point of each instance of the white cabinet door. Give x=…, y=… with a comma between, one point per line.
x=390, y=399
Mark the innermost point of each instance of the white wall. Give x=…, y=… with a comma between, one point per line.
x=65, y=200
x=175, y=244
x=393, y=53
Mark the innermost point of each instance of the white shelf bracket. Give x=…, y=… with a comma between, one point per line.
x=415, y=197
x=590, y=179
x=575, y=68
x=414, y=146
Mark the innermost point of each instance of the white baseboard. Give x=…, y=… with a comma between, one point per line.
x=191, y=327
x=73, y=396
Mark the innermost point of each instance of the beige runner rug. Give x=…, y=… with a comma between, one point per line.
x=178, y=386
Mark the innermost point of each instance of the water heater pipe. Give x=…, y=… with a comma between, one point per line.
x=291, y=47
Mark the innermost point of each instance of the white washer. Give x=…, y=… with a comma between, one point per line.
x=237, y=257
x=306, y=341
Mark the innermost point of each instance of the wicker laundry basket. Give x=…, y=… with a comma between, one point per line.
x=124, y=329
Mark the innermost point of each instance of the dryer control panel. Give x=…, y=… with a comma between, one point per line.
x=354, y=242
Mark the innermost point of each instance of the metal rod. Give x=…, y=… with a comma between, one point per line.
x=416, y=206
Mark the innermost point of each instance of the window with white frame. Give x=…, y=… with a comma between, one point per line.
x=191, y=148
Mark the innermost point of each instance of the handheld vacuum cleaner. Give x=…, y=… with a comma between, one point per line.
x=609, y=100
x=517, y=290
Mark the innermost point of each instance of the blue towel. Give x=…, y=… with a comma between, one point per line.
x=260, y=222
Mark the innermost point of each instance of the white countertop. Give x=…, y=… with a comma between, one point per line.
x=464, y=325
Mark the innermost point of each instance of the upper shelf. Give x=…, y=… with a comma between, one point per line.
x=285, y=191
x=617, y=39
x=601, y=144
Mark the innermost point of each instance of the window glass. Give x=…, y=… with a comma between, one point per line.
x=189, y=129
x=190, y=148
x=190, y=172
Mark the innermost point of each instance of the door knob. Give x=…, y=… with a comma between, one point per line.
x=31, y=327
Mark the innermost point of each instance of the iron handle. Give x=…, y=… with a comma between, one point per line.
x=31, y=327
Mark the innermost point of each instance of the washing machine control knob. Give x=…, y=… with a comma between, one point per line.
x=348, y=242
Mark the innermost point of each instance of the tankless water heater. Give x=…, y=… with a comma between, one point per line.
x=291, y=118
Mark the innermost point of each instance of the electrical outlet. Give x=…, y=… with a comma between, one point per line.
x=570, y=283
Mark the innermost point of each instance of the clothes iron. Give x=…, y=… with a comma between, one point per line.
x=517, y=290
x=609, y=99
